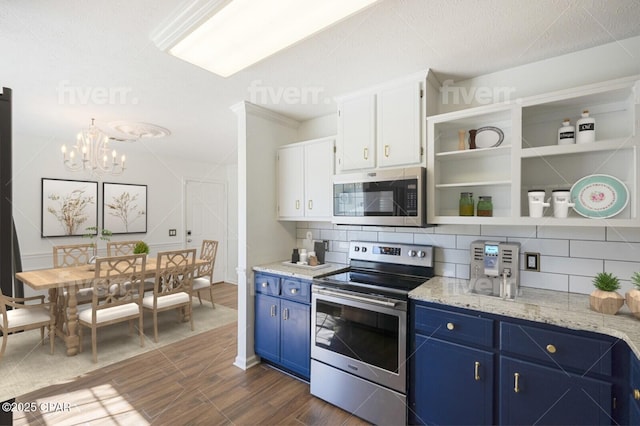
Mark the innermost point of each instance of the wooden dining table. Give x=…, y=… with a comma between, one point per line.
x=71, y=279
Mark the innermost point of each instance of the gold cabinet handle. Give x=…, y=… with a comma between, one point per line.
x=273, y=310
x=386, y=150
x=551, y=349
x=366, y=153
x=636, y=394
x=450, y=326
x=297, y=204
x=310, y=204
x=516, y=384
x=477, y=371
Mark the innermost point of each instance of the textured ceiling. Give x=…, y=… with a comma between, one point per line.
x=70, y=60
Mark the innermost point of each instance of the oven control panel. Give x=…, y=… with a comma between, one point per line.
x=402, y=254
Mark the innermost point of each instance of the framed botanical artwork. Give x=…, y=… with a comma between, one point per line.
x=124, y=208
x=69, y=207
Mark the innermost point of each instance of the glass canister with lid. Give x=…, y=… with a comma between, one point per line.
x=466, y=205
x=485, y=206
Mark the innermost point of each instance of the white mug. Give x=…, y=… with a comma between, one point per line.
x=537, y=203
x=561, y=202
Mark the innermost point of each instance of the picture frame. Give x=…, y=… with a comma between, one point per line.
x=68, y=207
x=124, y=208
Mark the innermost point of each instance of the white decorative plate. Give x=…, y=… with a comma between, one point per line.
x=489, y=137
x=599, y=196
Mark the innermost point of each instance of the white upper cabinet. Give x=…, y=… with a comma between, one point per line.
x=305, y=170
x=398, y=129
x=357, y=133
x=530, y=158
x=382, y=126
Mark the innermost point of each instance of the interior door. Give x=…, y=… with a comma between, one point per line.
x=206, y=219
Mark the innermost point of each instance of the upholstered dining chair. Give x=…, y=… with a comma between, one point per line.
x=118, y=287
x=23, y=316
x=204, y=274
x=121, y=248
x=172, y=290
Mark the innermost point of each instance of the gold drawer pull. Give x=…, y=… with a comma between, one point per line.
x=310, y=204
x=297, y=204
x=386, y=150
x=450, y=326
x=366, y=153
x=477, y=371
x=636, y=394
x=516, y=380
x=551, y=349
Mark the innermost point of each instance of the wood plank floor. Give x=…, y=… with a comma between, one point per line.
x=191, y=382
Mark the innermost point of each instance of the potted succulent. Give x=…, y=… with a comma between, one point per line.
x=604, y=298
x=633, y=296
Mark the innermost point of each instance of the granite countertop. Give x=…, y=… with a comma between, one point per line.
x=302, y=272
x=570, y=310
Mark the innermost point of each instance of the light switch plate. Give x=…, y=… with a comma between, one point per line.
x=532, y=261
x=172, y=232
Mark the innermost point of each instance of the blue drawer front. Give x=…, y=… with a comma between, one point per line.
x=267, y=284
x=297, y=290
x=582, y=353
x=454, y=326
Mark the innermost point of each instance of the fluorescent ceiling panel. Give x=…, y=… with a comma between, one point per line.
x=244, y=32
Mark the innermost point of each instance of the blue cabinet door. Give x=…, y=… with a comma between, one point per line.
x=534, y=394
x=267, y=327
x=295, y=342
x=453, y=383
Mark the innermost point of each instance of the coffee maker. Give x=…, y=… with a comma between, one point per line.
x=495, y=269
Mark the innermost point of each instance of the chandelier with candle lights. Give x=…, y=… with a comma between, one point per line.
x=93, y=154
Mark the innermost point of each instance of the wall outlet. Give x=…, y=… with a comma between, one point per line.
x=532, y=261
x=172, y=232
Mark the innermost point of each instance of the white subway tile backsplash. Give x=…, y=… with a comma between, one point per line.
x=464, y=241
x=319, y=225
x=605, y=250
x=444, y=269
x=301, y=234
x=453, y=256
x=340, y=246
x=543, y=280
x=458, y=229
x=335, y=257
x=582, y=285
x=333, y=234
x=508, y=231
x=395, y=237
x=622, y=270
x=362, y=236
x=543, y=246
x=630, y=235
x=571, y=266
x=462, y=272
x=572, y=232
x=444, y=241
x=348, y=227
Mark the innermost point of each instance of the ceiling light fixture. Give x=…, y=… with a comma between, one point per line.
x=92, y=153
x=244, y=32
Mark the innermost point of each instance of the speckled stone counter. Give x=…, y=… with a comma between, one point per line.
x=570, y=310
x=301, y=272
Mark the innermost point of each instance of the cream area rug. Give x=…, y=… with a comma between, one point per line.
x=27, y=365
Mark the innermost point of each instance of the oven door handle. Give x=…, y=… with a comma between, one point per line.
x=387, y=303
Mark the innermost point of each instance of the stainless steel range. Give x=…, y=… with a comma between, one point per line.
x=359, y=329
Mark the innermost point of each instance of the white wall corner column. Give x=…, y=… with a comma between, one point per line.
x=261, y=237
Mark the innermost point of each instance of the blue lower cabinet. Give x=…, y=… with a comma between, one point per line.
x=295, y=341
x=267, y=327
x=283, y=326
x=453, y=383
x=536, y=394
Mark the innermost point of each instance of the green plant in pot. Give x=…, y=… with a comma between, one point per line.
x=92, y=233
x=140, y=248
x=633, y=296
x=605, y=299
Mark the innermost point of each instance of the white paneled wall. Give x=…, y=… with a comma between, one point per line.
x=569, y=257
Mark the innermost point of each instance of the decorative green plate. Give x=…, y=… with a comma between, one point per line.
x=599, y=196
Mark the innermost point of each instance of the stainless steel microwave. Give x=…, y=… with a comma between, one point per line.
x=394, y=197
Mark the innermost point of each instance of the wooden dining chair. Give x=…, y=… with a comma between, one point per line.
x=121, y=248
x=172, y=290
x=20, y=314
x=204, y=273
x=118, y=287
